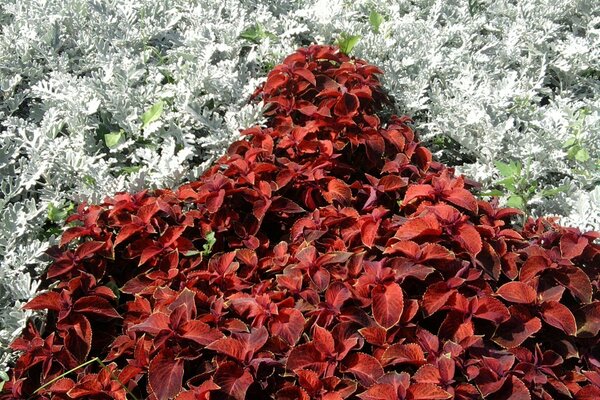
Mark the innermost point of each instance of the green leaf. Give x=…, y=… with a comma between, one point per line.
x=210, y=242
x=256, y=33
x=112, y=139
x=347, y=42
x=89, y=181
x=508, y=183
x=515, y=201
x=375, y=19
x=582, y=155
x=152, y=114
x=510, y=169
x=569, y=142
x=493, y=192
x=57, y=214
x=553, y=191
x=131, y=170
x=3, y=379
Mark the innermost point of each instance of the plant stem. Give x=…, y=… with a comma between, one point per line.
x=88, y=362
x=116, y=379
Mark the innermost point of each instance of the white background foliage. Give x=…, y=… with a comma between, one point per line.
x=485, y=81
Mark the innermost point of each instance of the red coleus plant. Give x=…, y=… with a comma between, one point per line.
x=325, y=256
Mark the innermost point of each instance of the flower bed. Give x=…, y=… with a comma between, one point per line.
x=325, y=256
x=98, y=98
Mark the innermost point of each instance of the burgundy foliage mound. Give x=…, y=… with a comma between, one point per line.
x=324, y=257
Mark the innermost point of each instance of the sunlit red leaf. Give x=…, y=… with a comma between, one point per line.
x=559, y=316
x=165, y=375
x=388, y=304
x=365, y=368
x=517, y=292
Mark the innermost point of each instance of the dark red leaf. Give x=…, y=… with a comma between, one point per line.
x=165, y=375
x=559, y=316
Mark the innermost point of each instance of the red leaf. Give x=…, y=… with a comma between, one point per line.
x=87, y=249
x=368, y=231
x=588, y=392
x=323, y=341
x=427, y=391
x=306, y=74
x=462, y=198
x=374, y=335
x=96, y=306
x=517, y=292
x=382, y=391
x=347, y=105
x=309, y=380
x=492, y=309
x=428, y=373
x=578, y=283
x=200, y=332
x=285, y=205
x=436, y=296
x=165, y=375
x=392, y=183
x=155, y=323
x=422, y=226
x=303, y=357
x=229, y=346
x=469, y=238
x=149, y=252
x=588, y=320
x=274, y=82
x=416, y=191
x=388, y=303
x=572, y=246
x=171, y=235
x=398, y=353
x=338, y=190
x=337, y=293
x=233, y=380
x=289, y=324
x=513, y=389
x=559, y=316
x=214, y=201
x=73, y=233
x=126, y=232
x=365, y=368
x=44, y=301
x=520, y=327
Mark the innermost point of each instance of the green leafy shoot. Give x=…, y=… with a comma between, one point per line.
x=3, y=379
x=131, y=170
x=210, y=242
x=375, y=20
x=256, y=33
x=59, y=213
x=574, y=146
x=518, y=184
x=152, y=114
x=114, y=138
x=346, y=42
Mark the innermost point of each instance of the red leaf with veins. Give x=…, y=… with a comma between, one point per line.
x=388, y=304
x=559, y=316
x=517, y=292
x=365, y=368
x=165, y=375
